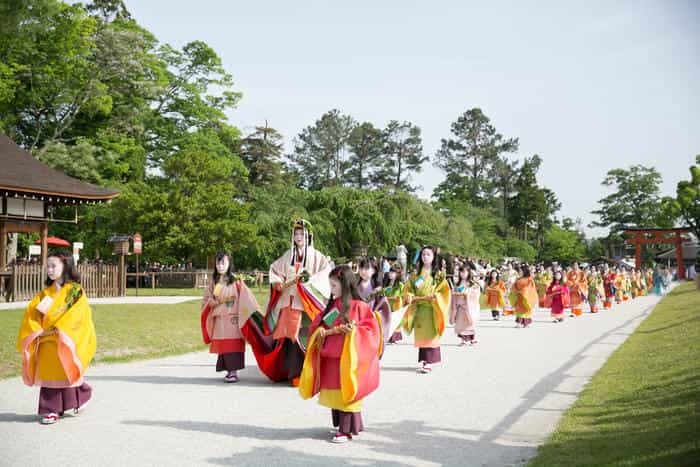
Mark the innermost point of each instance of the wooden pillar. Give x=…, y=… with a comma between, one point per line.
x=44, y=242
x=638, y=251
x=3, y=245
x=679, y=256
x=122, y=276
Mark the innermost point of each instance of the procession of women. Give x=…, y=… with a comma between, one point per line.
x=326, y=327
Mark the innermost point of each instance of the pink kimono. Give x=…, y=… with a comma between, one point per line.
x=221, y=323
x=464, y=313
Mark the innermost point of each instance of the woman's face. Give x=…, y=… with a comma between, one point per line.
x=392, y=275
x=54, y=268
x=222, y=265
x=464, y=273
x=299, y=238
x=557, y=275
x=336, y=288
x=366, y=273
x=427, y=257
x=494, y=275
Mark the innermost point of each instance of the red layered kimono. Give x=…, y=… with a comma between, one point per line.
x=343, y=368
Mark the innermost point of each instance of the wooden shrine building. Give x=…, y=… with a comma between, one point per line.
x=31, y=190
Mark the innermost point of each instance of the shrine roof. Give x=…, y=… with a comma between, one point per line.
x=21, y=174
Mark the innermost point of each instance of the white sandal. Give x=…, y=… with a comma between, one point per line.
x=341, y=438
x=49, y=418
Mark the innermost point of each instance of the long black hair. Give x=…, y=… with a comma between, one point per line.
x=70, y=272
x=304, y=226
x=434, y=266
x=365, y=263
x=490, y=280
x=346, y=277
x=554, y=278
x=398, y=269
x=229, y=272
x=470, y=278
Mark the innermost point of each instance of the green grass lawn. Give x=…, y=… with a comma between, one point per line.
x=641, y=408
x=147, y=292
x=124, y=332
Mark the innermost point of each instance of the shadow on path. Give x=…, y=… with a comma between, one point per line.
x=18, y=418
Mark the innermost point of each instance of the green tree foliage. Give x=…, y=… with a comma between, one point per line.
x=91, y=92
x=531, y=208
x=403, y=156
x=320, y=151
x=261, y=152
x=688, y=198
x=516, y=248
x=489, y=230
x=366, y=144
x=193, y=210
x=563, y=245
x=597, y=248
x=470, y=157
x=272, y=210
x=636, y=201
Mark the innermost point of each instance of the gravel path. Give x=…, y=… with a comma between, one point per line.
x=484, y=406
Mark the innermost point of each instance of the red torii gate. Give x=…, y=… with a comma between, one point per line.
x=672, y=236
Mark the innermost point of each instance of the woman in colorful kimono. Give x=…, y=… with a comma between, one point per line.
x=659, y=281
x=650, y=280
x=526, y=298
x=428, y=295
x=595, y=290
x=626, y=286
x=609, y=286
x=558, y=295
x=224, y=300
x=495, y=293
x=619, y=285
x=369, y=286
x=342, y=360
x=465, y=309
x=542, y=281
x=578, y=289
x=57, y=341
x=393, y=290
x=643, y=287
x=510, y=275
x=292, y=307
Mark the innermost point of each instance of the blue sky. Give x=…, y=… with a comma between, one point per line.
x=589, y=86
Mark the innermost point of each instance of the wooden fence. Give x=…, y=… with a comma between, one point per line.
x=23, y=281
x=198, y=279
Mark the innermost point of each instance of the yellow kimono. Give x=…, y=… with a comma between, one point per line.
x=57, y=346
x=427, y=318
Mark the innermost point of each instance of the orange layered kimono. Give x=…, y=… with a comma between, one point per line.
x=526, y=297
x=343, y=368
x=57, y=346
x=495, y=295
x=578, y=287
